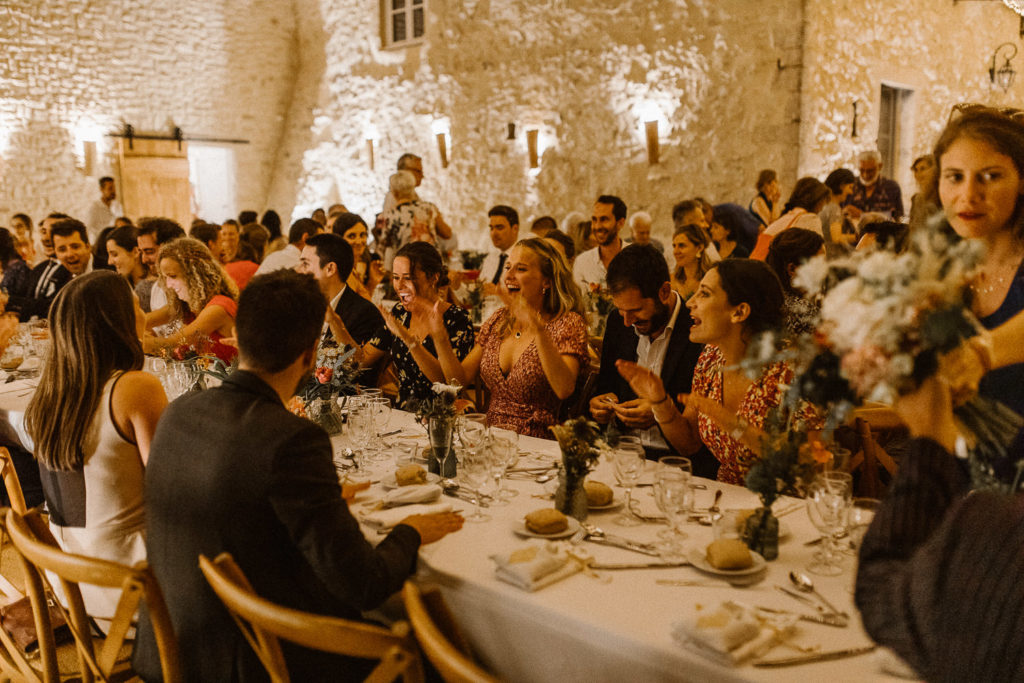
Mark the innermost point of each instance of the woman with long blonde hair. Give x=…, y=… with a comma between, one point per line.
x=530, y=351
x=200, y=294
x=690, y=249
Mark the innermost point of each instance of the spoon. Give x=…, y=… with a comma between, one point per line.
x=804, y=584
x=544, y=478
x=714, y=506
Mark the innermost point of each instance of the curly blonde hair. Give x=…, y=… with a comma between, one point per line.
x=204, y=276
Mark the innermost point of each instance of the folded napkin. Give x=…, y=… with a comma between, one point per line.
x=385, y=519
x=535, y=566
x=733, y=633
x=419, y=493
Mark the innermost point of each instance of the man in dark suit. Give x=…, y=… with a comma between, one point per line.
x=46, y=279
x=651, y=326
x=230, y=469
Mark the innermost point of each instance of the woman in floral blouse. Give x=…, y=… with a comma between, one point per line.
x=529, y=353
x=736, y=300
x=417, y=274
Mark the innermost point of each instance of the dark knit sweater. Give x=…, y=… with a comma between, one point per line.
x=941, y=577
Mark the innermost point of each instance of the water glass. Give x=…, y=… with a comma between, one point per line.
x=475, y=474
x=862, y=512
x=828, y=505
x=472, y=428
x=381, y=407
x=674, y=496
x=629, y=465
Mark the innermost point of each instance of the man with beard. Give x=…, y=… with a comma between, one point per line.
x=873, y=193
x=649, y=325
x=265, y=489
x=607, y=220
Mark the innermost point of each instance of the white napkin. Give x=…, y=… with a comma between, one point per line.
x=419, y=493
x=535, y=566
x=385, y=519
x=731, y=634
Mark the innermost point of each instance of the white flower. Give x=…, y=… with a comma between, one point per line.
x=445, y=389
x=810, y=276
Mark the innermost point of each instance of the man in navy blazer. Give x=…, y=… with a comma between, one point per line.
x=650, y=325
x=232, y=470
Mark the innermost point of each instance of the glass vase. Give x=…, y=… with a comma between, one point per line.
x=761, y=533
x=440, y=431
x=571, y=497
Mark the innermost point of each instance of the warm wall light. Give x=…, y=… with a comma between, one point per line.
x=531, y=147
x=442, y=149
x=369, y=152
x=88, y=157
x=651, y=129
x=440, y=128
x=511, y=132
x=1003, y=75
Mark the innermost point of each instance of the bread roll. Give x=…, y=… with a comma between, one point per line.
x=729, y=553
x=546, y=521
x=598, y=494
x=409, y=475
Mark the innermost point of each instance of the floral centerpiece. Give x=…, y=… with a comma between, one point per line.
x=335, y=374
x=474, y=300
x=598, y=301
x=581, y=444
x=437, y=415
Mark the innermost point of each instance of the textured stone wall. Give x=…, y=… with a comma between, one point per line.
x=73, y=69
x=941, y=50
x=584, y=73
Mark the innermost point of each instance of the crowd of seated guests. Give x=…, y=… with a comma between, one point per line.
x=669, y=367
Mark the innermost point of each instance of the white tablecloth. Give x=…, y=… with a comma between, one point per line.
x=618, y=627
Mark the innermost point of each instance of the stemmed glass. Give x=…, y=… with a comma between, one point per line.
x=828, y=505
x=669, y=466
x=360, y=428
x=381, y=407
x=674, y=496
x=475, y=472
x=472, y=428
x=629, y=465
x=505, y=445
x=862, y=512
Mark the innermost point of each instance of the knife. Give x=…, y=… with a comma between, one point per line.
x=625, y=545
x=828, y=620
x=818, y=657
x=635, y=565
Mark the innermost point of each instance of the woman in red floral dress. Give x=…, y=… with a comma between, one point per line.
x=736, y=300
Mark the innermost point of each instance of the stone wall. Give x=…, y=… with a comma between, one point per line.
x=585, y=74
x=74, y=70
x=940, y=50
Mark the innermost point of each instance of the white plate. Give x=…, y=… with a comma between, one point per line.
x=698, y=559
x=519, y=529
x=388, y=482
x=616, y=502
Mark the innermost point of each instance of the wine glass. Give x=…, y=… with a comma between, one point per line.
x=472, y=428
x=360, y=428
x=828, y=505
x=475, y=473
x=629, y=465
x=862, y=512
x=381, y=406
x=674, y=496
x=671, y=465
x=506, y=447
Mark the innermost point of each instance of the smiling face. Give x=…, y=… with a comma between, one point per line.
x=124, y=261
x=979, y=188
x=22, y=231
x=685, y=251
x=356, y=237
x=869, y=170
x=409, y=284
x=174, y=277
x=523, y=276
x=647, y=316
x=228, y=242
x=72, y=252
x=714, y=318
x=603, y=227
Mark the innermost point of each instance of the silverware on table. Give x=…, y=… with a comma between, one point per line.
x=598, y=535
x=827, y=620
x=636, y=565
x=802, y=598
x=817, y=657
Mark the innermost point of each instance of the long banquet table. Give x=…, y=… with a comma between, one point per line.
x=618, y=626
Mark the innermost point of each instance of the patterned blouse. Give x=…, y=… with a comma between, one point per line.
x=404, y=224
x=524, y=401
x=764, y=393
x=412, y=383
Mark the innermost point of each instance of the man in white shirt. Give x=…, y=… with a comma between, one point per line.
x=105, y=209
x=607, y=219
x=651, y=326
x=640, y=225
x=152, y=233
x=290, y=256
x=503, y=223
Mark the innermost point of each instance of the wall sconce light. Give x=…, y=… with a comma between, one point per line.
x=369, y=152
x=88, y=157
x=440, y=128
x=511, y=132
x=853, y=133
x=1003, y=75
x=442, y=149
x=531, y=147
x=651, y=130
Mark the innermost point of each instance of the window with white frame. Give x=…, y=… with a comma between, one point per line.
x=402, y=21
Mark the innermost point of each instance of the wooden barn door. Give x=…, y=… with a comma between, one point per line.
x=155, y=180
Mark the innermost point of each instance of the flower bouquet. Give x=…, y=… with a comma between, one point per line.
x=581, y=444
x=335, y=374
x=598, y=301
x=437, y=415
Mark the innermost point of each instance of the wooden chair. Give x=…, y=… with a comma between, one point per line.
x=870, y=455
x=439, y=636
x=263, y=622
x=11, y=482
x=40, y=554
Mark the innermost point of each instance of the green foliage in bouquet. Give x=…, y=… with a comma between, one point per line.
x=581, y=444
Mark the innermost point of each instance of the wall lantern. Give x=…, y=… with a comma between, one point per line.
x=652, y=122
x=1003, y=75
x=531, y=147
x=440, y=128
x=651, y=131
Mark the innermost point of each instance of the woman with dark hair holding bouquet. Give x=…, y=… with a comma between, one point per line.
x=737, y=300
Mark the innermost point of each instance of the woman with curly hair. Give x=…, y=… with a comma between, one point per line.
x=201, y=295
x=528, y=353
